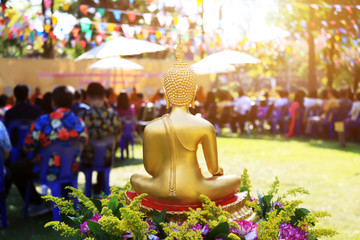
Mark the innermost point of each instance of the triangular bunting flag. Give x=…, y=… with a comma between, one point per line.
x=152, y=37
x=75, y=32
x=125, y=28
x=54, y=19
x=73, y=43
x=168, y=20
x=131, y=1
x=66, y=7
x=47, y=3
x=138, y=30
x=131, y=16
x=147, y=18
x=98, y=39
x=117, y=28
x=176, y=20
x=88, y=35
x=83, y=44
x=158, y=34
x=84, y=8
x=84, y=26
x=47, y=28
x=101, y=11
x=111, y=27
x=161, y=18
x=131, y=32
x=145, y=33
x=117, y=15
x=3, y=7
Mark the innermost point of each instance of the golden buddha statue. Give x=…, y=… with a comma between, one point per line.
x=170, y=145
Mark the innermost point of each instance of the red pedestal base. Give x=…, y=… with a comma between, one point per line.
x=234, y=204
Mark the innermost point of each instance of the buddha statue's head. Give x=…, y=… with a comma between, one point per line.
x=180, y=81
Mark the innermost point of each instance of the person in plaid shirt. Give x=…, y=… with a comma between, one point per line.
x=60, y=125
x=101, y=121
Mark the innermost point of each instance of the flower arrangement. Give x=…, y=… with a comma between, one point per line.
x=111, y=218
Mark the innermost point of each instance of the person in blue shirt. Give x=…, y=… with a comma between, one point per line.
x=22, y=108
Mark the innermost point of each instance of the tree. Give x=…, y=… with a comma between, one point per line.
x=310, y=19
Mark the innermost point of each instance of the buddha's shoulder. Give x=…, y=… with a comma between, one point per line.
x=154, y=124
x=200, y=122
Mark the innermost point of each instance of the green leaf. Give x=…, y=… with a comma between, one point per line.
x=74, y=219
x=300, y=213
x=88, y=214
x=219, y=229
x=113, y=203
x=94, y=227
x=159, y=217
x=117, y=211
x=97, y=204
x=267, y=200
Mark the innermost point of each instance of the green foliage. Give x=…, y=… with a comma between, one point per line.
x=245, y=183
x=110, y=219
x=65, y=206
x=64, y=229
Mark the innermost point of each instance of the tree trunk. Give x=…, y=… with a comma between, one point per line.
x=356, y=76
x=312, y=85
x=48, y=44
x=330, y=64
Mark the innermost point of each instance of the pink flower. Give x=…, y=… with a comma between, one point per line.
x=248, y=230
x=253, y=199
x=95, y=218
x=289, y=232
x=84, y=228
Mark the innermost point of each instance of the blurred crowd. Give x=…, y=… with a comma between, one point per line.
x=295, y=114
x=66, y=114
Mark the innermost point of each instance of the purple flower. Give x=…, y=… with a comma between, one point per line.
x=151, y=226
x=127, y=236
x=95, y=218
x=276, y=204
x=84, y=228
x=248, y=230
x=204, y=229
x=289, y=232
x=153, y=237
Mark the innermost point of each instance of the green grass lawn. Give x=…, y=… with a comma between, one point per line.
x=330, y=173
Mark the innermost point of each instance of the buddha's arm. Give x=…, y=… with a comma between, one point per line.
x=149, y=155
x=210, y=151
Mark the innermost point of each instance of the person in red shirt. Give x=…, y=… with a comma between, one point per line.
x=35, y=95
x=140, y=101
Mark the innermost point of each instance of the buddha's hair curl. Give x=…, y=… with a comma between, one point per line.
x=180, y=81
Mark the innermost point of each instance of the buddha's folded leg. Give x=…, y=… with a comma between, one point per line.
x=142, y=183
x=223, y=186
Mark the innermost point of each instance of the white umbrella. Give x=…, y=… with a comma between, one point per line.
x=229, y=57
x=204, y=68
x=121, y=47
x=115, y=63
